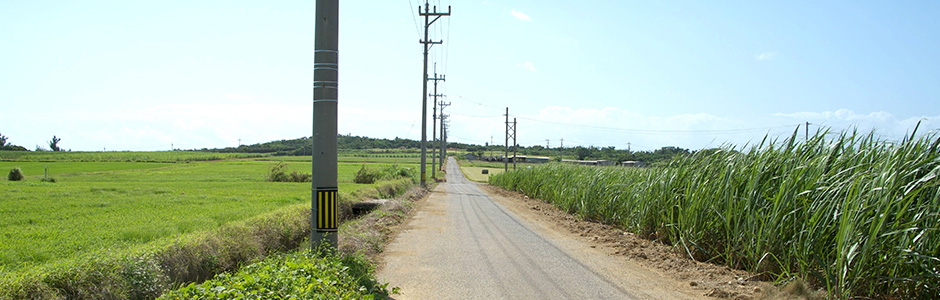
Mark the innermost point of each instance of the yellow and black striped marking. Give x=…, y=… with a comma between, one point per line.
x=326, y=209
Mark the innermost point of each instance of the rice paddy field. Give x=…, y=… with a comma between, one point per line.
x=853, y=214
x=103, y=203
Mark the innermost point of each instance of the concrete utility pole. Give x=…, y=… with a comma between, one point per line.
x=427, y=14
x=325, y=98
x=546, y=144
x=443, y=146
x=434, y=117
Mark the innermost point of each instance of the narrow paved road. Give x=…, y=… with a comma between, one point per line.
x=461, y=244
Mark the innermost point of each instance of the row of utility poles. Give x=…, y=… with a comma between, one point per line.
x=430, y=16
x=442, y=145
x=324, y=187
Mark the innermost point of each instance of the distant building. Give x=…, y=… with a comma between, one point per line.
x=632, y=163
x=529, y=159
x=588, y=162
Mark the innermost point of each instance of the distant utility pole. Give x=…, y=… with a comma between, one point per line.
x=506, y=156
x=444, y=120
x=510, y=132
x=443, y=141
x=434, y=116
x=628, y=146
x=427, y=14
x=806, y=132
x=546, y=144
x=514, y=143
x=325, y=96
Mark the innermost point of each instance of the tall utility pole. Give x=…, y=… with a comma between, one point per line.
x=443, y=146
x=325, y=96
x=427, y=14
x=546, y=144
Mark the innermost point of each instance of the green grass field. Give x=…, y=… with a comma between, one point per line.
x=122, y=201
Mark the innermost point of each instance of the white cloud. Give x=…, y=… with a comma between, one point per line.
x=528, y=65
x=884, y=124
x=766, y=56
x=615, y=126
x=519, y=15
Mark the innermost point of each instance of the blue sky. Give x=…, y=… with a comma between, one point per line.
x=143, y=75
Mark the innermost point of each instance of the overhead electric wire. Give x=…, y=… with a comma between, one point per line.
x=447, y=46
x=662, y=131
x=472, y=116
x=414, y=17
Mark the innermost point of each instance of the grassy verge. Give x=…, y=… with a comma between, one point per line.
x=301, y=274
x=147, y=270
x=343, y=274
x=854, y=215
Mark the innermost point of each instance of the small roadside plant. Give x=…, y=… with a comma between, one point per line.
x=16, y=175
x=366, y=175
x=299, y=275
x=278, y=173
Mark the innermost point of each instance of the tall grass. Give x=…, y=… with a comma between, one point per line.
x=854, y=214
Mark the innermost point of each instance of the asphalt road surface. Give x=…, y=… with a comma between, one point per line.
x=461, y=244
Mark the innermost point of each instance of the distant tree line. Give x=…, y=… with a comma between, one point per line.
x=658, y=156
x=301, y=147
x=4, y=146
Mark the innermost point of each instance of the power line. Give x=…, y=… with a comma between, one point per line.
x=447, y=47
x=472, y=116
x=478, y=103
x=414, y=18
x=661, y=131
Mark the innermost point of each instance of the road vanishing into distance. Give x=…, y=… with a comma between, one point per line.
x=461, y=244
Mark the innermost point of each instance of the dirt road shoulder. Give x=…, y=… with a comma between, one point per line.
x=621, y=249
